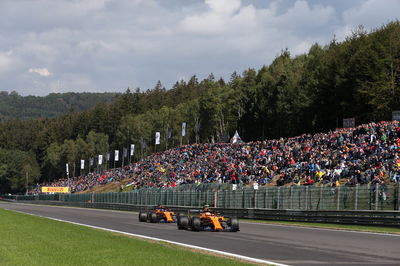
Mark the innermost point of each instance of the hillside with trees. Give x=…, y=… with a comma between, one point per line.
x=15, y=106
x=313, y=92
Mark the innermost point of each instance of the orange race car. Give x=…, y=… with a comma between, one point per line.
x=208, y=221
x=158, y=214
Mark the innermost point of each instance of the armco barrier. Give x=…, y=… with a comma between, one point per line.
x=377, y=218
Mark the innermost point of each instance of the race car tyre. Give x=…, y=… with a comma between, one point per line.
x=153, y=217
x=142, y=217
x=234, y=224
x=183, y=222
x=196, y=224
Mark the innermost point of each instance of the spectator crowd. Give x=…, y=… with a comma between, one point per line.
x=368, y=153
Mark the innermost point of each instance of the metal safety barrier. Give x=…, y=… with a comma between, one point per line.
x=367, y=197
x=377, y=218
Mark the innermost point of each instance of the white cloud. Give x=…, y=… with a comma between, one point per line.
x=108, y=45
x=41, y=71
x=372, y=13
x=224, y=6
x=4, y=62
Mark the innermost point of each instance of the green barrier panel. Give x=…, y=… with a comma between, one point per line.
x=367, y=197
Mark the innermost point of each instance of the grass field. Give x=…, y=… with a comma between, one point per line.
x=30, y=240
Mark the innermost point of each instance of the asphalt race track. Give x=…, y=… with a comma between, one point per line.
x=281, y=244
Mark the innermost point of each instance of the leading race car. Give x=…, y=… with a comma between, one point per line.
x=207, y=220
x=157, y=215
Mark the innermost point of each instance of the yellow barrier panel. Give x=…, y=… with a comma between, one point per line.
x=55, y=189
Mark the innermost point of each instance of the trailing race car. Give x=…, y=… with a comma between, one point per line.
x=158, y=214
x=208, y=221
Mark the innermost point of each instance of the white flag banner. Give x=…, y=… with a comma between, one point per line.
x=183, y=129
x=82, y=164
x=108, y=156
x=157, y=138
x=100, y=159
x=116, y=157
x=66, y=168
x=132, y=149
x=234, y=186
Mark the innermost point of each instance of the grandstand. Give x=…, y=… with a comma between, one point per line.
x=367, y=154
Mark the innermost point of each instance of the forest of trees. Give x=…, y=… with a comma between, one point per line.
x=309, y=93
x=14, y=106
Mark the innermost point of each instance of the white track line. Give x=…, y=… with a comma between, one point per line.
x=310, y=227
x=326, y=229
x=164, y=240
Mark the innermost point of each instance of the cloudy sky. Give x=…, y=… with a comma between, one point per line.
x=109, y=45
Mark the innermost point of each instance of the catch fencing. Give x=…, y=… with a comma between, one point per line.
x=302, y=198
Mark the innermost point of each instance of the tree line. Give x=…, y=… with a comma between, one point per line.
x=15, y=106
x=312, y=92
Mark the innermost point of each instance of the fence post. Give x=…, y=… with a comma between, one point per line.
x=225, y=198
x=320, y=197
x=338, y=199
x=198, y=198
x=255, y=199
x=376, y=196
x=306, y=197
x=356, y=198
x=215, y=199
x=243, y=200
x=265, y=198
x=278, y=196
x=291, y=197
x=398, y=196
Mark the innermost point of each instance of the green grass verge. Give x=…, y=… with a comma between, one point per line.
x=30, y=240
x=364, y=228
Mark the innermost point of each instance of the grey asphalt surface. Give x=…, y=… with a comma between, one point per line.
x=282, y=244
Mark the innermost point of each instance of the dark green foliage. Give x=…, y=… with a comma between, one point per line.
x=15, y=168
x=14, y=106
x=309, y=93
